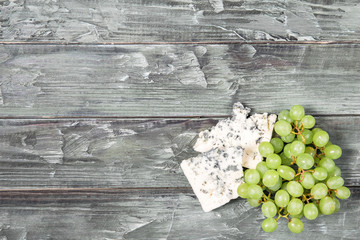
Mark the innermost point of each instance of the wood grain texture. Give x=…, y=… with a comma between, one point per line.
x=125, y=153
x=153, y=214
x=178, y=20
x=176, y=80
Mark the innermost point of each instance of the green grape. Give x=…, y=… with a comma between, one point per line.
x=308, y=136
x=271, y=177
x=318, y=207
x=335, y=182
x=265, y=149
x=273, y=161
x=289, y=138
x=299, y=216
x=254, y=191
x=261, y=168
x=320, y=138
x=297, y=112
x=269, y=225
x=311, y=211
x=342, y=192
x=310, y=150
x=337, y=204
x=287, y=150
x=327, y=205
x=283, y=128
x=295, y=189
x=254, y=202
x=335, y=172
x=285, y=115
x=295, y=225
x=314, y=130
x=317, y=160
x=285, y=160
x=328, y=144
x=320, y=173
x=277, y=186
x=308, y=182
x=308, y=121
x=252, y=176
x=278, y=144
x=333, y=151
x=269, y=209
x=319, y=191
x=282, y=198
x=327, y=163
x=296, y=148
x=305, y=161
x=295, y=206
x=243, y=190
x=284, y=186
x=286, y=172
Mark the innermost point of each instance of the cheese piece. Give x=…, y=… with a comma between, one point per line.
x=215, y=176
x=216, y=173
x=241, y=130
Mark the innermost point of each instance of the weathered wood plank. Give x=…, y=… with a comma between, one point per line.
x=178, y=20
x=153, y=214
x=124, y=153
x=176, y=80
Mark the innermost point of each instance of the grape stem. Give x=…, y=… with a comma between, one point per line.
x=318, y=155
x=280, y=215
x=302, y=173
x=299, y=130
x=279, y=212
x=286, y=216
x=265, y=198
x=304, y=198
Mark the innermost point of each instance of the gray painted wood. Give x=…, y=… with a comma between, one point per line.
x=84, y=178
x=178, y=20
x=125, y=153
x=176, y=80
x=153, y=214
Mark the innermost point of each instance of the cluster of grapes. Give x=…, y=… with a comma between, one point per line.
x=299, y=177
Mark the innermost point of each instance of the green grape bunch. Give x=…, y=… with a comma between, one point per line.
x=299, y=177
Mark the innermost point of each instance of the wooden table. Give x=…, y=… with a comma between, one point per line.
x=100, y=101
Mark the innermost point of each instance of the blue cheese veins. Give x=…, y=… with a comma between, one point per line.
x=233, y=143
x=215, y=176
x=241, y=130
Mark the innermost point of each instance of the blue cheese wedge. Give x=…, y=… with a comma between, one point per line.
x=215, y=176
x=233, y=143
x=241, y=130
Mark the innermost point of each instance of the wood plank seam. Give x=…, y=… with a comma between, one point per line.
x=183, y=43
x=113, y=190
x=148, y=117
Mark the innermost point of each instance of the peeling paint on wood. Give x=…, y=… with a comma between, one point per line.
x=152, y=214
x=178, y=20
x=176, y=80
x=125, y=153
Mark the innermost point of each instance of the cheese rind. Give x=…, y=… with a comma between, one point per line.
x=215, y=176
x=243, y=131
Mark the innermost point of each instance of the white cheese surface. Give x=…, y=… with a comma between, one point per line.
x=241, y=130
x=215, y=176
x=216, y=173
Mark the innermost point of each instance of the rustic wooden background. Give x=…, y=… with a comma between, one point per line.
x=100, y=101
